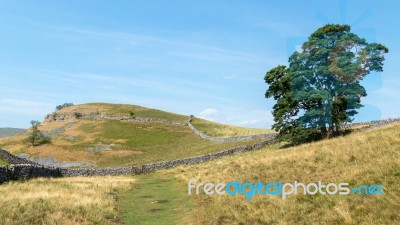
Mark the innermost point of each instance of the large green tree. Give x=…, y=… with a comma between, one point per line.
x=320, y=90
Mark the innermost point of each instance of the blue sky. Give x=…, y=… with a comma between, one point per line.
x=206, y=58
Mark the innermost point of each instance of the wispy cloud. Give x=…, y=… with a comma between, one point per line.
x=238, y=116
x=208, y=113
x=178, y=47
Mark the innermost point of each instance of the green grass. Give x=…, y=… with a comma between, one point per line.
x=155, y=199
x=152, y=141
x=3, y=162
x=136, y=134
x=222, y=130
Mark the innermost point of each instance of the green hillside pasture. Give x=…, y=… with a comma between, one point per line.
x=221, y=130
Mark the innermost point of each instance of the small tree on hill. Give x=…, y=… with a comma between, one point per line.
x=36, y=137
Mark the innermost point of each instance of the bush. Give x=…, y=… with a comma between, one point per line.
x=36, y=137
x=65, y=105
x=132, y=114
x=78, y=115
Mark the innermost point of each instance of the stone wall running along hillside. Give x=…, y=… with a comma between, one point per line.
x=13, y=159
x=29, y=171
x=97, y=116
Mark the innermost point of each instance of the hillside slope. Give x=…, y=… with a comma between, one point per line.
x=221, y=130
x=104, y=135
x=7, y=131
x=361, y=158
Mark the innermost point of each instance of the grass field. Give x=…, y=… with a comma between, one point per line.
x=79, y=200
x=371, y=157
x=3, y=162
x=222, y=130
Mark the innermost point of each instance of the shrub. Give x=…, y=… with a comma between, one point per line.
x=78, y=115
x=132, y=114
x=36, y=137
x=65, y=105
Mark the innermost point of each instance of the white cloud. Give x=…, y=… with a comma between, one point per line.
x=251, y=122
x=209, y=112
x=238, y=116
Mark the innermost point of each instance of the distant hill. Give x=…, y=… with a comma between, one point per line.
x=7, y=131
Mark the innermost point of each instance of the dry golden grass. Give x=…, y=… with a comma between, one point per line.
x=58, y=153
x=368, y=158
x=77, y=200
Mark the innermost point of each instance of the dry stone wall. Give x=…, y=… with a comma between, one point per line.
x=97, y=116
x=203, y=158
x=375, y=124
x=3, y=174
x=99, y=172
x=26, y=171
x=29, y=171
x=13, y=159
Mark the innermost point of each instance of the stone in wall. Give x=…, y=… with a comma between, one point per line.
x=14, y=159
x=99, y=172
x=3, y=174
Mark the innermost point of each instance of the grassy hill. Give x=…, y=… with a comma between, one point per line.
x=6, y=131
x=221, y=130
x=107, y=142
x=371, y=157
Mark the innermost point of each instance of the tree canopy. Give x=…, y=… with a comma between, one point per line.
x=320, y=90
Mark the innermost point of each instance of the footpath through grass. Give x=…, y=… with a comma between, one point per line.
x=155, y=199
